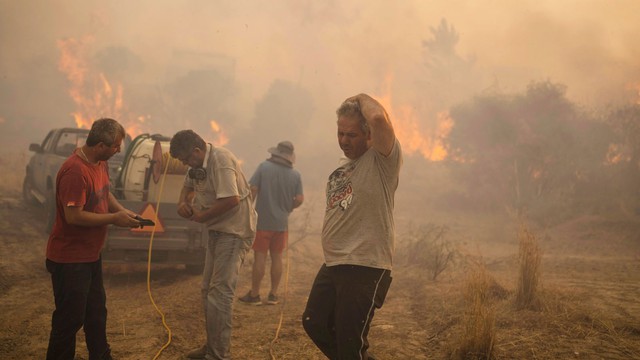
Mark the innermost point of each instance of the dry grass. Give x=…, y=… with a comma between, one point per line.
x=479, y=330
x=429, y=248
x=13, y=165
x=530, y=257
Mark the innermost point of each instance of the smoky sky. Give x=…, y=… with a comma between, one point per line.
x=283, y=67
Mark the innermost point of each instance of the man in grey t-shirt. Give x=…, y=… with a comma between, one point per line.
x=222, y=202
x=277, y=188
x=357, y=234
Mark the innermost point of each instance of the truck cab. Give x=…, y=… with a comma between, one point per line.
x=144, y=179
x=39, y=182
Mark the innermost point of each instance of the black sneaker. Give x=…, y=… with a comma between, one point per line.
x=272, y=299
x=251, y=300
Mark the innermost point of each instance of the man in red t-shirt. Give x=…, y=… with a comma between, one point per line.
x=84, y=208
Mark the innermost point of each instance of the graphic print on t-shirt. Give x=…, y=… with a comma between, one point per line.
x=339, y=189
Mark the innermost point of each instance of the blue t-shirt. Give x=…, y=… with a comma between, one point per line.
x=277, y=187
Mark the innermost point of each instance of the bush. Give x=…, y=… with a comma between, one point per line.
x=428, y=247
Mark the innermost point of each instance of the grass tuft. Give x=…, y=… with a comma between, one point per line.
x=530, y=257
x=479, y=330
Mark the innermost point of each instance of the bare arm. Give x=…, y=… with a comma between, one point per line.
x=254, y=192
x=115, y=206
x=382, y=134
x=117, y=215
x=219, y=207
x=297, y=200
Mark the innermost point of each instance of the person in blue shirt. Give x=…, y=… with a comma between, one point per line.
x=277, y=188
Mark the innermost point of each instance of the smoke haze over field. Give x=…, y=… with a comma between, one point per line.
x=269, y=71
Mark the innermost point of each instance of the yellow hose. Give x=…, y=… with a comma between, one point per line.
x=153, y=231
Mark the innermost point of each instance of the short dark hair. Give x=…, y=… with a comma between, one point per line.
x=351, y=108
x=105, y=130
x=184, y=142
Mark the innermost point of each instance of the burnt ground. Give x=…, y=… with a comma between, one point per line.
x=589, y=290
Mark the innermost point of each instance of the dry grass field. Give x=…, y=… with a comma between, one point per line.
x=502, y=292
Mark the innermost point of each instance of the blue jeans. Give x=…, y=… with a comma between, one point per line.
x=225, y=255
x=80, y=302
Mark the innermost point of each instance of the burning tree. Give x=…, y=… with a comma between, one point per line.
x=623, y=156
x=523, y=152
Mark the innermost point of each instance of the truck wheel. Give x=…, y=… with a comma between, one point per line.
x=26, y=191
x=50, y=211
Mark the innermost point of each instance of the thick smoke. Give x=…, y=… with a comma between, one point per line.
x=269, y=71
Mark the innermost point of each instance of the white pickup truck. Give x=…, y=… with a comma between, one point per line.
x=139, y=182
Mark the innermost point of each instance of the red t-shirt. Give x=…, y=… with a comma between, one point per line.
x=79, y=184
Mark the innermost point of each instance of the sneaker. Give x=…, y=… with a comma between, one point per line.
x=199, y=353
x=106, y=355
x=272, y=299
x=251, y=300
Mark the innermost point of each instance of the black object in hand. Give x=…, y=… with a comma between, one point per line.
x=144, y=222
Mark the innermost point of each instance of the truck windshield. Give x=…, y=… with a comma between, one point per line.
x=69, y=141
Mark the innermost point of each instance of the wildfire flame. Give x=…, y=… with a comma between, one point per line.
x=411, y=134
x=222, y=139
x=617, y=153
x=91, y=91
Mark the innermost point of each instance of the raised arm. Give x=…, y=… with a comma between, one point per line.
x=382, y=134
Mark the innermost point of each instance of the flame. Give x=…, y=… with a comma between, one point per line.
x=94, y=95
x=536, y=174
x=222, y=139
x=136, y=127
x=617, y=153
x=411, y=134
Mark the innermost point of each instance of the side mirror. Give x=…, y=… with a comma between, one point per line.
x=35, y=148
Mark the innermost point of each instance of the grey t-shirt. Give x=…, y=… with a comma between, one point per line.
x=225, y=179
x=358, y=223
x=277, y=186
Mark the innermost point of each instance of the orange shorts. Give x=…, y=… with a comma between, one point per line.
x=273, y=241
